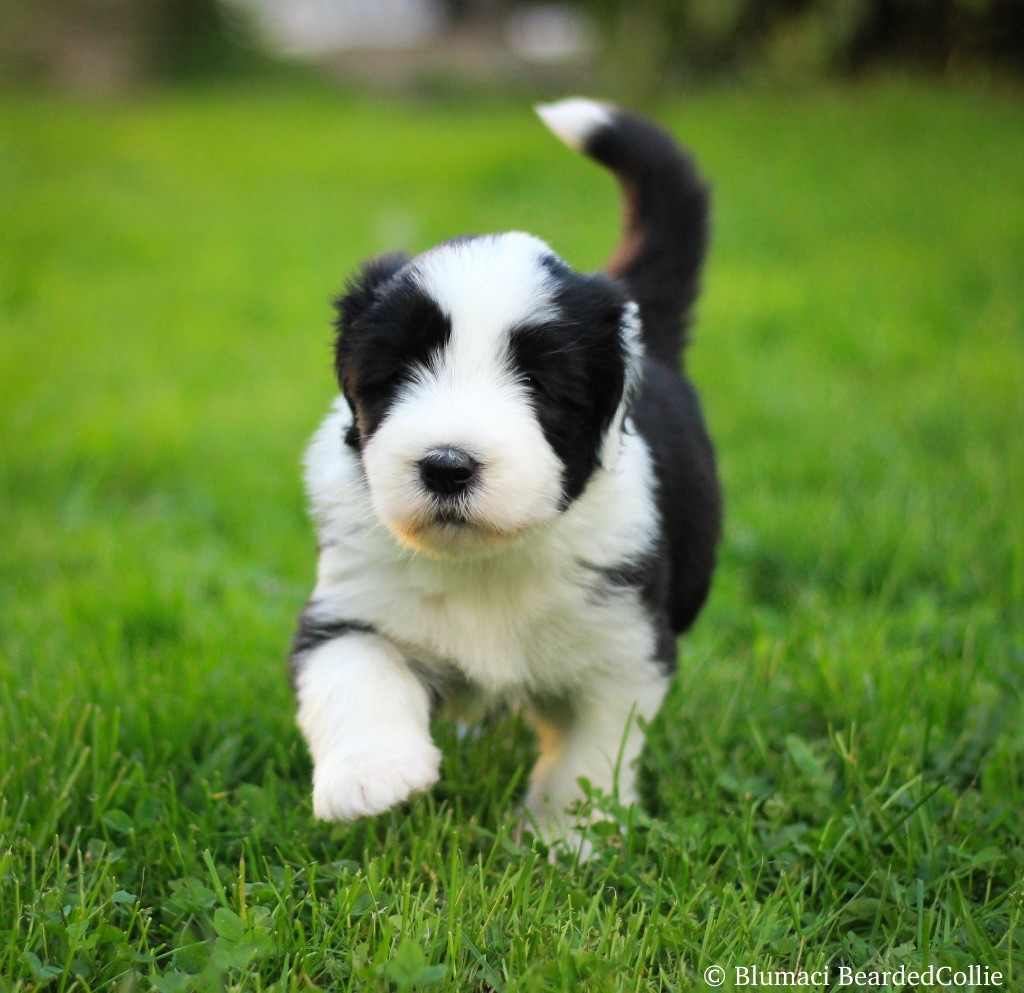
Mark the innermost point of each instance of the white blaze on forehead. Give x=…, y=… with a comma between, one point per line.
x=487, y=286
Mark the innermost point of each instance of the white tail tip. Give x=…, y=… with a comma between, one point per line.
x=575, y=120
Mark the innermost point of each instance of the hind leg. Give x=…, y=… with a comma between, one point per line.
x=596, y=736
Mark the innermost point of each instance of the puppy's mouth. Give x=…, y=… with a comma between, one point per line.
x=451, y=516
x=450, y=531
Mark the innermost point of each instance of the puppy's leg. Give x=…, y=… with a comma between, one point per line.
x=366, y=718
x=597, y=737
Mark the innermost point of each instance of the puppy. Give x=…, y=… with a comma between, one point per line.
x=515, y=494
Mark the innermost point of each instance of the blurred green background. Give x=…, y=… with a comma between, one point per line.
x=837, y=776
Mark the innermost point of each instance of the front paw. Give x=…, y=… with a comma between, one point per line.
x=371, y=778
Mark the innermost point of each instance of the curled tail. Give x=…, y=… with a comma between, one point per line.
x=666, y=206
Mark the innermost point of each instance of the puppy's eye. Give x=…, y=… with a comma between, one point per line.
x=533, y=383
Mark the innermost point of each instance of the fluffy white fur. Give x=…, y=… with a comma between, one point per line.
x=515, y=622
x=469, y=401
x=512, y=610
x=574, y=120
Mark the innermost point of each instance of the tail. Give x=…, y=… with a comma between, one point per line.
x=665, y=225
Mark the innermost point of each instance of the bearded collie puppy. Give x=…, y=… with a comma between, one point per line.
x=515, y=495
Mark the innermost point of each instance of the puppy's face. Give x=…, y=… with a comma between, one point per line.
x=483, y=376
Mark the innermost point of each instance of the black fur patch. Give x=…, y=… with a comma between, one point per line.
x=659, y=263
x=575, y=370
x=312, y=632
x=387, y=327
x=666, y=229
x=649, y=577
x=667, y=416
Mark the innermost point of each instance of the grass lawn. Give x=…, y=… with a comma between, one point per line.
x=837, y=777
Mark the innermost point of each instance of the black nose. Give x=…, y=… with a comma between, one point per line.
x=447, y=471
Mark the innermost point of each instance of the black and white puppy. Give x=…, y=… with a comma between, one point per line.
x=515, y=494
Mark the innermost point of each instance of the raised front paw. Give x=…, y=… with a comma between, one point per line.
x=371, y=778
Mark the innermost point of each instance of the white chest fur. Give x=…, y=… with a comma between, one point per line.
x=533, y=616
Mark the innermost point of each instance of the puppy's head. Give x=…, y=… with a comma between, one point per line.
x=485, y=378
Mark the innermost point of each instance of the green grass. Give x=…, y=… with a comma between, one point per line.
x=838, y=774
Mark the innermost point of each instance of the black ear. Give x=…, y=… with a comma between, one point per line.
x=360, y=294
x=361, y=290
